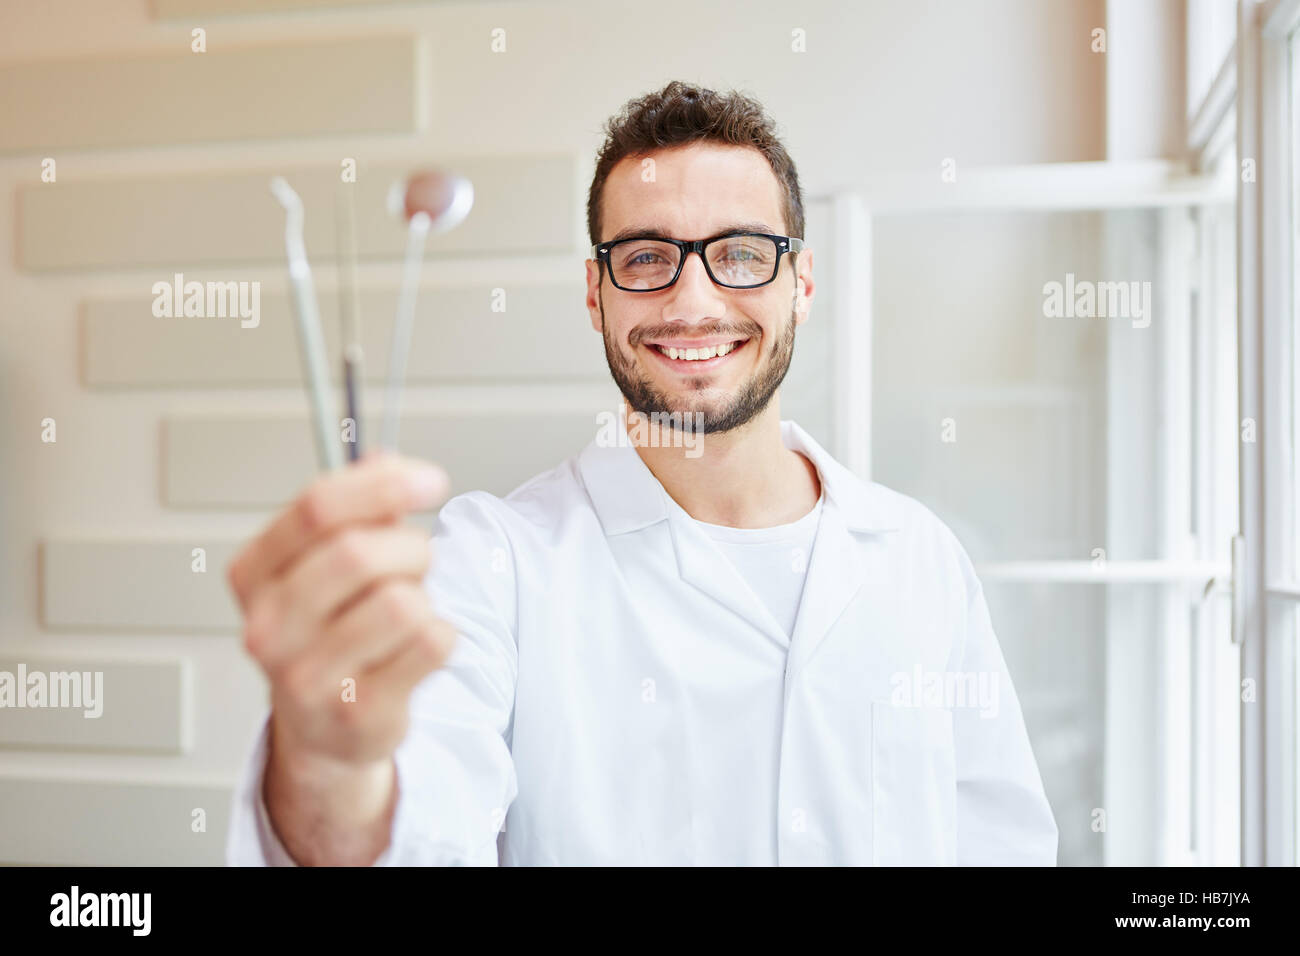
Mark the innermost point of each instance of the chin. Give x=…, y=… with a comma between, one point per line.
x=684, y=398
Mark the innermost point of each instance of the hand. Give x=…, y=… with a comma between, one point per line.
x=331, y=592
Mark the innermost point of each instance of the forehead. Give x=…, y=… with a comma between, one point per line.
x=691, y=192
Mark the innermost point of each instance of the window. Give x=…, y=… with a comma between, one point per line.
x=1128, y=490
x=1080, y=457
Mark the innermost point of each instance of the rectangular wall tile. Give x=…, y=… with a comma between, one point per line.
x=56, y=822
x=353, y=86
x=264, y=462
x=171, y=9
x=142, y=585
x=522, y=205
x=144, y=706
x=544, y=334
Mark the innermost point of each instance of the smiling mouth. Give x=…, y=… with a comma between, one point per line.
x=696, y=356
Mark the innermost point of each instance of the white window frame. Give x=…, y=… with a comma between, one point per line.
x=1189, y=829
x=1245, y=105
x=1267, y=585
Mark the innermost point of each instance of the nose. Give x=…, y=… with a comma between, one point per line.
x=694, y=297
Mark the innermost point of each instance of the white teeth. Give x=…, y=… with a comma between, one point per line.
x=697, y=355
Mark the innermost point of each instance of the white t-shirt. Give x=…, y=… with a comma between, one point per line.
x=772, y=561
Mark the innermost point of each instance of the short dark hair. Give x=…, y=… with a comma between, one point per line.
x=680, y=114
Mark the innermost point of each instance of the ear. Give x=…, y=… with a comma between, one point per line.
x=594, y=277
x=804, y=286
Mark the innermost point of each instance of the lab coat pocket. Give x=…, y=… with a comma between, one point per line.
x=913, y=786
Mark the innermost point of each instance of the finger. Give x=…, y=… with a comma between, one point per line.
x=377, y=488
x=294, y=608
x=374, y=627
x=426, y=650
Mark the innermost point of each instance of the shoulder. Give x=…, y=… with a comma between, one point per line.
x=540, y=503
x=880, y=515
x=483, y=543
x=919, y=536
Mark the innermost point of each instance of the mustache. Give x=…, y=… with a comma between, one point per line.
x=745, y=330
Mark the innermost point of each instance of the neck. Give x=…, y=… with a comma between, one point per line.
x=744, y=478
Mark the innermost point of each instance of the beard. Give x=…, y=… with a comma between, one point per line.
x=753, y=396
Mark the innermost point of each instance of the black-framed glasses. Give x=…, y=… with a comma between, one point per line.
x=740, y=261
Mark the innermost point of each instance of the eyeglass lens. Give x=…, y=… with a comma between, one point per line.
x=734, y=260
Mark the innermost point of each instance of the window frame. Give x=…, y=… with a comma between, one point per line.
x=1191, y=585
x=1243, y=115
x=1268, y=582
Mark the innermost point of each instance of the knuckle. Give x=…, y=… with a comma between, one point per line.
x=313, y=509
x=260, y=626
x=391, y=492
x=402, y=607
x=351, y=553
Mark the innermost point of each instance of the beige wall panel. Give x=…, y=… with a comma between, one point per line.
x=228, y=93
x=543, y=335
x=168, y=9
x=264, y=462
x=138, y=585
x=522, y=205
x=107, y=823
x=143, y=706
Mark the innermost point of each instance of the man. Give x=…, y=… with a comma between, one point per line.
x=652, y=654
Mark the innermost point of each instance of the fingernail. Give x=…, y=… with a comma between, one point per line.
x=428, y=485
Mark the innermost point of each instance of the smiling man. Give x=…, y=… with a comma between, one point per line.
x=745, y=656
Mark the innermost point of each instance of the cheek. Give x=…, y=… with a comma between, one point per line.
x=770, y=319
x=619, y=333
x=619, y=327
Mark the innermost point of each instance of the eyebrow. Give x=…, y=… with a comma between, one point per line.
x=655, y=232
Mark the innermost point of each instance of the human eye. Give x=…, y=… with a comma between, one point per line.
x=743, y=250
x=644, y=257
x=646, y=254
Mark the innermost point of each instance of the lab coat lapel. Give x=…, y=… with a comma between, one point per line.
x=836, y=572
x=701, y=564
x=627, y=498
x=854, y=515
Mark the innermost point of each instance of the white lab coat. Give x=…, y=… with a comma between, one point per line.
x=617, y=695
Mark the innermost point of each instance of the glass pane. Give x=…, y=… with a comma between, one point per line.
x=994, y=355
x=1211, y=33
x=1059, y=676
x=1114, y=689
x=1055, y=387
